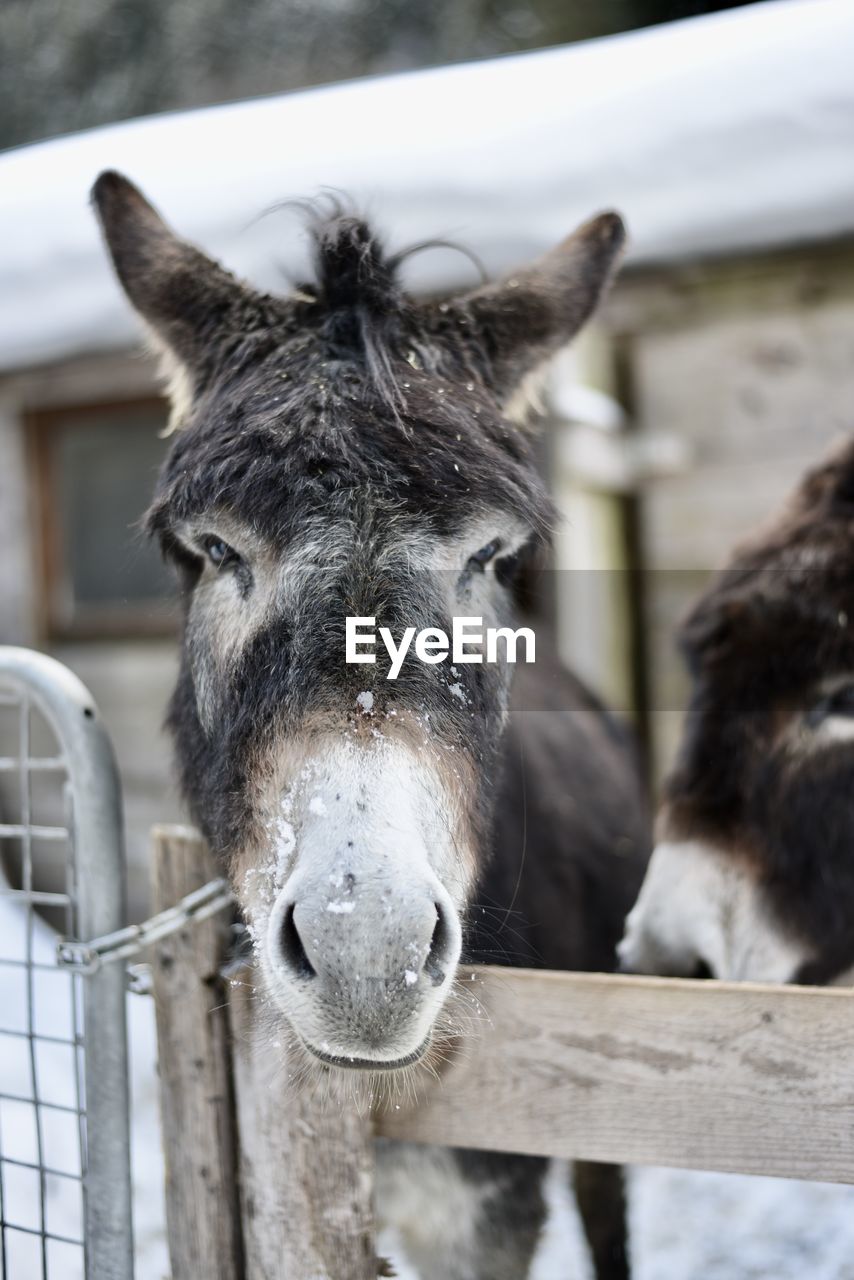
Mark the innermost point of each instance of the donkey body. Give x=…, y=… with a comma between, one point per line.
x=342, y=452
x=753, y=873
x=569, y=846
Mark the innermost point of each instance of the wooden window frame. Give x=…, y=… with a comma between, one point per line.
x=134, y=620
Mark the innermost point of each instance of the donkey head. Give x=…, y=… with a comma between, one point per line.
x=753, y=875
x=342, y=452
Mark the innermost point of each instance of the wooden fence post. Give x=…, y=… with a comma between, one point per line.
x=196, y=1102
x=264, y=1182
x=306, y=1166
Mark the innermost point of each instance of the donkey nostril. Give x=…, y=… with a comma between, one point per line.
x=440, y=948
x=293, y=950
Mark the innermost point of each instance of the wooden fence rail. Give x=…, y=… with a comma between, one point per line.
x=739, y=1078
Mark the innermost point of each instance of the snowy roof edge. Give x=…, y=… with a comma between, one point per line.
x=713, y=135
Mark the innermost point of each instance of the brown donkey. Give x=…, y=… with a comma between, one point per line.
x=753, y=873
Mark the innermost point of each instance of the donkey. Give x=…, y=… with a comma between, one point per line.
x=753, y=873
x=342, y=452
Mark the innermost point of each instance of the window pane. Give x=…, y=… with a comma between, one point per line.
x=104, y=466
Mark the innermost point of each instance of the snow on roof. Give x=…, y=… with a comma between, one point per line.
x=711, y=135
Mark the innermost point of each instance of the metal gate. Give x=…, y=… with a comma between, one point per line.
x=65, y=1195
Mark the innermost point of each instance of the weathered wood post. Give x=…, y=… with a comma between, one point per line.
x=306, y=1167
x=196, y=1104
x=263, y=1182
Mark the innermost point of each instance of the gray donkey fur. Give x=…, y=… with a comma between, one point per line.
x=343, y=451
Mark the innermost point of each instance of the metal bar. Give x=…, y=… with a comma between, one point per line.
x=4, y=1270
x=52, y=1173
x=47, y=1235
x=36, y=1102
x=97, y=831
x=27, y=843
x=38, y=899
x=77, y=996
x=22, y=831
x=201, y=904
x=38, y=764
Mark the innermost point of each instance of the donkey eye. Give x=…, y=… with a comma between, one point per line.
x=478, y=562
x=842, y=702
x=838, y=703
x=220, y=553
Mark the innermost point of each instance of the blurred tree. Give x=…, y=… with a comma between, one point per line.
x=70, y=65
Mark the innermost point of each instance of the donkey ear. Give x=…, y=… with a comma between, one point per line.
x=519, y=322
x=184, y=296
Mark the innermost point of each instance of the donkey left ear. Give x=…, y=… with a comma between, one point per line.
x=519, y=322
x=185, y=297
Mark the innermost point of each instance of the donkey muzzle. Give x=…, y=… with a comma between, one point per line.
x=362, y=964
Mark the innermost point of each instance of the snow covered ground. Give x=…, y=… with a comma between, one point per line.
x=684, y=1225
x=54, y=1067
x=707, y=1226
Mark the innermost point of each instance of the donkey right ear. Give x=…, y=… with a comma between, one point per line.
x=518, y=323
x=184, y=296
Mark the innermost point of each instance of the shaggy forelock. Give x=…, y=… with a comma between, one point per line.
x=363, y=311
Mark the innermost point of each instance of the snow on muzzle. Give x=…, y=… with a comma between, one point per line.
x=363, y=939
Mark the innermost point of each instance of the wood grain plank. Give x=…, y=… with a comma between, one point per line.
x=702, y=1075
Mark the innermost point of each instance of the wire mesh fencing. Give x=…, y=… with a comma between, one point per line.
x=64, y=1110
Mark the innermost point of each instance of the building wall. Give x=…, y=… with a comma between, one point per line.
x=750, y=365
x=17, y=604
x=130, y=680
